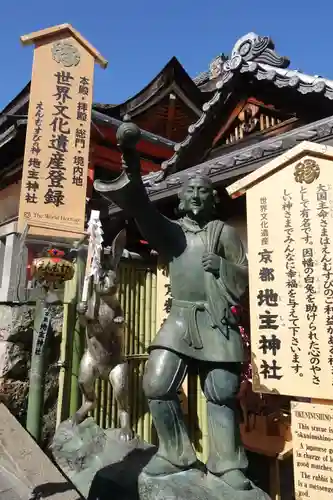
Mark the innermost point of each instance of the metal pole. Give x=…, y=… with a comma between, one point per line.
x=68, y=394
x=78, y=337
x=36, y=379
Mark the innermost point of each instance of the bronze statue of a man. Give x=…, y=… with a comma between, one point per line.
x=208, y=275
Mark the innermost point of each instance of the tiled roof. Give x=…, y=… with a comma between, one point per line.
x=270, y=147
x=255, y=55
x=201, y=77
x=239, y=161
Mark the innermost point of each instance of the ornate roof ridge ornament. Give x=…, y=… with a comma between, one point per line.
x=249, y=48
x=216, y=66
x=255, y=48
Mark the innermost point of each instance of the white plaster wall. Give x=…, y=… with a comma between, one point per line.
x=7, y=268
x=9, y=202
x=8, y=251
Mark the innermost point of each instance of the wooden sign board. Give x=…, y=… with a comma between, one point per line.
x=55, y=169
x=290, y=251
x=312, y=430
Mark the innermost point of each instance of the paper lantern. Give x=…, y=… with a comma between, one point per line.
x=53, y=269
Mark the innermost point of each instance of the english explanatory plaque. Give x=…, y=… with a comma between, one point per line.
x=312, y=429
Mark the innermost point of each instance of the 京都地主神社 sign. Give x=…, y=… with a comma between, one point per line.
x=290, y=249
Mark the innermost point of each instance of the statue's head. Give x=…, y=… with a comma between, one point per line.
x=198, y=198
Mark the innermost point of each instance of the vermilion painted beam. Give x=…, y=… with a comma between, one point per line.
x=90, y=182
x=229, y=121
x=253, y=100
x=158, y=150
x=112, y=159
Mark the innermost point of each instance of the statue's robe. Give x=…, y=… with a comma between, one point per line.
x=201, y=324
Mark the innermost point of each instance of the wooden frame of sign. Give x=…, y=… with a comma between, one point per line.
x=55, y=167
x=290, y=250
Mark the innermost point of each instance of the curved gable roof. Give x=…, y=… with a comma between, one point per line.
x=254, y=56
x=172, y=78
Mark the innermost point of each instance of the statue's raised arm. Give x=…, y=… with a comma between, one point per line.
x=129, y=193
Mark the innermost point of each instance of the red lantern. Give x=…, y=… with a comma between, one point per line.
x=53, y=269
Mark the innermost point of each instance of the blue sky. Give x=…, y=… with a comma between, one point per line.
x=138, y=38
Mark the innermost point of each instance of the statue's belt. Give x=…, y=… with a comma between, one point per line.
x=192, y=335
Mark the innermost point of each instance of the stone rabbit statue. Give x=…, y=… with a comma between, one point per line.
x=103, y=320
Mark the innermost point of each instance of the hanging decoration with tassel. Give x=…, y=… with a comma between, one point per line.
x=95, y=233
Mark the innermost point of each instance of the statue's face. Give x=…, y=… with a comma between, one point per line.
x=107, y=283
x=197, y=197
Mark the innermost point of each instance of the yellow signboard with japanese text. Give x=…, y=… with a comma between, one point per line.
x=54, y=181
x=290, y=250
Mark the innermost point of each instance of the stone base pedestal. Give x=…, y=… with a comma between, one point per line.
x=192, y=485
x=102, y=467
x=97, y=462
